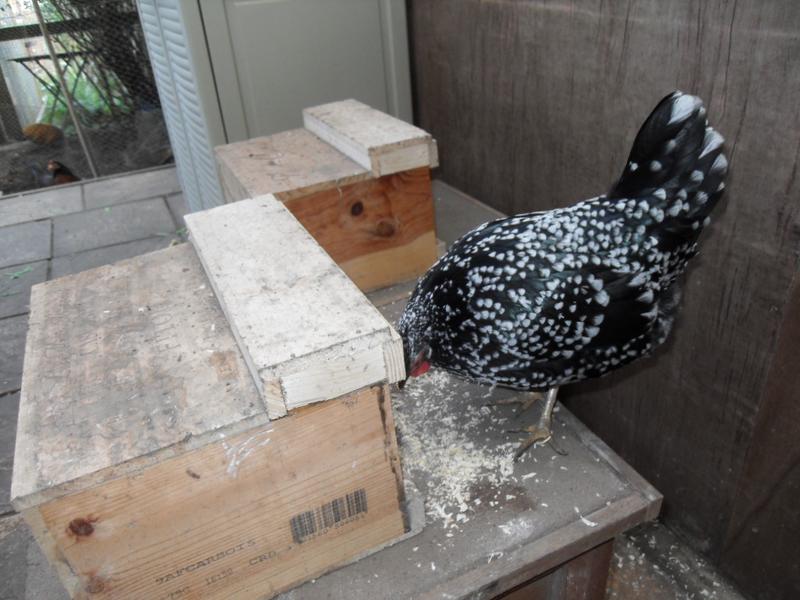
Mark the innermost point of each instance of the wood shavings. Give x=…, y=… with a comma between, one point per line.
x=438, y=429
x=584, y=520
x=494, y=556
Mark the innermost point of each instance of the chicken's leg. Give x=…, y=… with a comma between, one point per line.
x=540, y=432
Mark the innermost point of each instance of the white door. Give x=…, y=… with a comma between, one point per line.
x=272, y=58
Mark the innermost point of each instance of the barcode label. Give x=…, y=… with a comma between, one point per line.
x=314, y=522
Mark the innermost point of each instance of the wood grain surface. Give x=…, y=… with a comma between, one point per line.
x=222, y=521
x=380, y=231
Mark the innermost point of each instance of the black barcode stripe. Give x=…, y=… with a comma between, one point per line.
x=303, y=526
x=307, y=524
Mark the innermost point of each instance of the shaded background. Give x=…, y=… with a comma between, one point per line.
x=100, y=49
x=534, y=105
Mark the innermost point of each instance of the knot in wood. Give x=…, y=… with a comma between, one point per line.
x=81, y=527
x=357, y=208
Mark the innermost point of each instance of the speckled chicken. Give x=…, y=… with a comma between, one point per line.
x=540, y=300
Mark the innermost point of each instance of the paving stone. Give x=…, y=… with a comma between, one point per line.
x=26, y=574
x=12, y=350
x=24, y=243
x=9, y=407
x=178, y=208
x=15, y=286
x=89, y=259
x=117, y=190
x=41, y=582
x=15, y=538
x=41, y=205
x=111, y=225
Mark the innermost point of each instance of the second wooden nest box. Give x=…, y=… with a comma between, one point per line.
x=356, y=178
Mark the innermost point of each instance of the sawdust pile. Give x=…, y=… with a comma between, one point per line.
x=445, y=443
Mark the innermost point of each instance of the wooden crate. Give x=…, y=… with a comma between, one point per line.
x=356, y=178
x=147, y=464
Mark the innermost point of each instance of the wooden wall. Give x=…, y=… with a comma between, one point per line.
x=534, y=105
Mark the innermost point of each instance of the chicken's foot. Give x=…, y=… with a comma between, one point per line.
x=540, y=432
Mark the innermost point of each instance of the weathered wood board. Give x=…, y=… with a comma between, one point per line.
x=146, y=464
x=376, y=141
x=124, y=364
x=307, y=333
x=290, y=164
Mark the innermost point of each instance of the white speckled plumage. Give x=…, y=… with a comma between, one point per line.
x=543, y=299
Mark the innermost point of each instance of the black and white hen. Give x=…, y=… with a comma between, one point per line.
x=543, y=299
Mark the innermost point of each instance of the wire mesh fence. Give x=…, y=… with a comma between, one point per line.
x=92, y=80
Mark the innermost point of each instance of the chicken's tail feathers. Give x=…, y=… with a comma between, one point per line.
x=677, y=152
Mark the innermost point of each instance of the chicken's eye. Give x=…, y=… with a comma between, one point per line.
x=357, y=208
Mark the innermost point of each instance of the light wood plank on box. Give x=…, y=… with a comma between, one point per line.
x=289, y=164
x=216, y=522
x=120, y=364
x=373, y=139
x=289, y=306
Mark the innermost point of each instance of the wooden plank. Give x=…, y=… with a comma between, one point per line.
x=544, y=554
x=581, y=578
x=264, y=266
x=540, y=588
x=120, y=364
x=760, y=547
x=222, y=521
x=587, y=573
x=375, y=140
x=288, y=164
x=685, y=418
x=380, y=231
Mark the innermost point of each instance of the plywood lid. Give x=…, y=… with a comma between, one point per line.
x=125, y=365
x=306, y=331
x=288, y=164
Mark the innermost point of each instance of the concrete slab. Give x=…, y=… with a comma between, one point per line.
x=138, y=186
x=178, y=208
x=14, y=541
x=111, y=225
x=15, y=286
x=89, y=259
x=9, y=407
x=41, y=581
x=12, y=350
x=453, y=217
x=26, y=574
x=41, y=205
x=24, y=243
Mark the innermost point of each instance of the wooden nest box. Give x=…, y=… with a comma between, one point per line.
x=357, y=179
x=209, y=424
